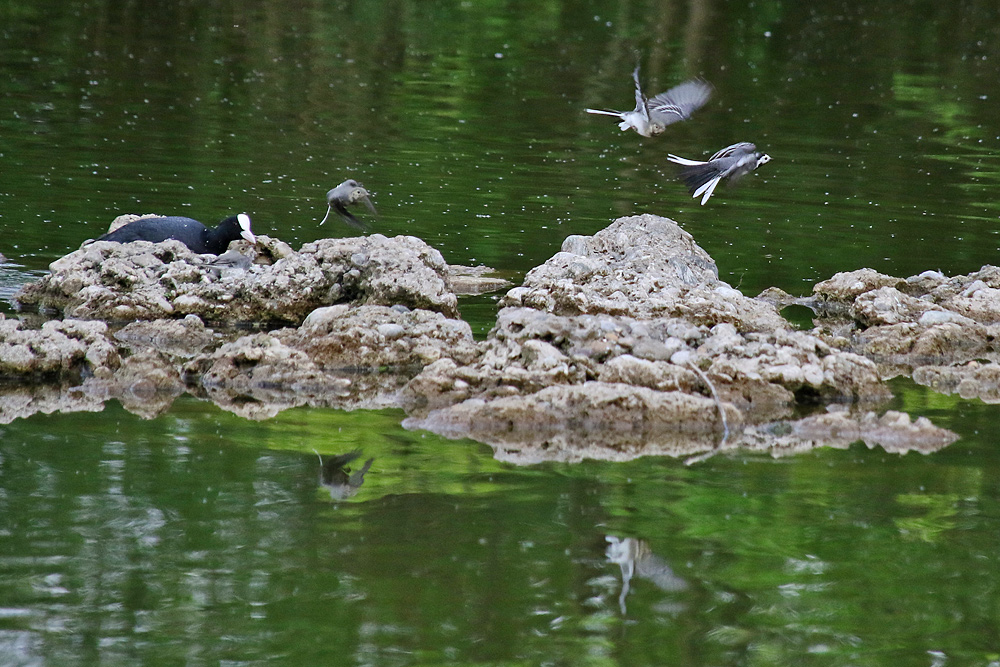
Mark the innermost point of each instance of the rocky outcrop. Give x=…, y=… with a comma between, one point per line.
x=641, y=267
x=58, y=348
x=634, y=316
x=623, y=344
x=123, y=282
x=348, y=357
x=943, y=331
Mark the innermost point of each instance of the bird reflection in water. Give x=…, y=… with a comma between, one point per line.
x=338, y=479
x=635, y=558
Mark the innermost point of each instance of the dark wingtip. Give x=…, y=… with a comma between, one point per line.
x=349, y=218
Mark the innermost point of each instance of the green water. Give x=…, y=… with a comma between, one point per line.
x=200, y=538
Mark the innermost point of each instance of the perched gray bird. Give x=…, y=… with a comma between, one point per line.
x=732, y=163
x=229, y=261
x=338, y=478
x=651, y=117
x=346, y=194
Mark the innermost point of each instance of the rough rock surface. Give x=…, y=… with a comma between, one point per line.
x=470, y=280
x=633, y=316
x=59, y=348
x=641, y=266
x=928, y=320
x=180, y=338
x=763, y=373
x=340, y=356
x=623, y=344
x=140, y=280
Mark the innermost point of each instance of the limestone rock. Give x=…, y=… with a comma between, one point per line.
x=61, y=348
x=641, y=267
x=141, y=280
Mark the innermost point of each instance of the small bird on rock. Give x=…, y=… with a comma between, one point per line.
x=731, y=163
x=348, y=193
x=229, y=261
x=651, y=117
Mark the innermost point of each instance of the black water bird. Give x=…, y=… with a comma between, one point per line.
x=190, y=232
x=348, y=193
x=731, y=163
x=651, y=117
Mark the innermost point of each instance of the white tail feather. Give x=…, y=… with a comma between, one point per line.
x=684, y=161
x=602, y=112
x=708, y=190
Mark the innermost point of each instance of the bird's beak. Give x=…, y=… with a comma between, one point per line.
x=245, y=232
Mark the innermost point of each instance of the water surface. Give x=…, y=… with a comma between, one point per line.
x=197, y=537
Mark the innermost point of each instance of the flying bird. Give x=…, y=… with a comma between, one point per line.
x=651, y=117
x=731, y=163
x=346, y=194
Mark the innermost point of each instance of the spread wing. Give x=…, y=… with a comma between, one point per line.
x=641, y=105
x=681, y=101
x=735, y=150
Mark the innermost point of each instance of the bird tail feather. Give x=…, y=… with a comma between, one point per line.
x=701, y=179
x=683, y=160
x=707, y=189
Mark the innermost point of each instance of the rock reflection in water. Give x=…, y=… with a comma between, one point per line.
x=634, y=557
x=340, y=480
x=603, y=437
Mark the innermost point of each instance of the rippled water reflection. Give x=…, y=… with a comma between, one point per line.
x=201, y=537
x=198, y=537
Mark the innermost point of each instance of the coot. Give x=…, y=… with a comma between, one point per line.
x=188, y=231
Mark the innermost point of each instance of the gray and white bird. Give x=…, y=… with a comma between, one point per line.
x=348, y=193
x=731, y=163
x=651, y=117
x=229, y=263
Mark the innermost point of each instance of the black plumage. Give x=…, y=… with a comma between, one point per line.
x=190, y=232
